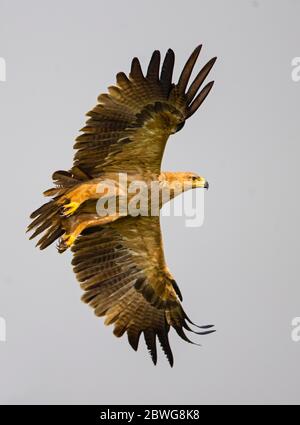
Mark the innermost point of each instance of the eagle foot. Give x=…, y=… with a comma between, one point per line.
x=66, y=241
x=69, y=209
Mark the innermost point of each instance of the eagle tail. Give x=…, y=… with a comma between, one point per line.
x=48, y=219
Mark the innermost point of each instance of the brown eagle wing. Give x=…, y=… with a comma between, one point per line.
x=129, y=127
x=122, y=270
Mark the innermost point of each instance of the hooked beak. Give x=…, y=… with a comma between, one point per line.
x=201, y=182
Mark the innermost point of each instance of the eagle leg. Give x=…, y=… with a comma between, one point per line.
x=72, y=200
x=75, y=225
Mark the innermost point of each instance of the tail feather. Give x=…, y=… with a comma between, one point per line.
x=47, y=218
x=53, y=191
x=40, y=219
x=45, y=225
x=42, y=209
x=49, y=222
x=53, y=233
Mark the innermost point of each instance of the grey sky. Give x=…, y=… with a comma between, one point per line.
x=240, y=270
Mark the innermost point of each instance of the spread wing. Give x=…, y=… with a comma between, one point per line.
x=129, y=127
x=121, y=268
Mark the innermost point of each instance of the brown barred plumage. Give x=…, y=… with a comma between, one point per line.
x=120, y=262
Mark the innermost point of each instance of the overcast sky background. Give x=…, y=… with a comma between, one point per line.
x=240, y=270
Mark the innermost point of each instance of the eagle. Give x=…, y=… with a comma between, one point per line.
x=118, y=258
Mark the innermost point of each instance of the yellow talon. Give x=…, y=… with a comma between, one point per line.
x=68, y=240
x=70, y=208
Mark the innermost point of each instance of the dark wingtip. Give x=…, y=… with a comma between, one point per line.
x=187, y=69
x=136, y=70
x=199, y=79
x=165, y=345
x=197, y=48
x=176, y=289
x=150, y=340
x=200, y=99
x=206, y=326
x=205, y=332
x=133, y=339
x=194, y=324
x=166, y=73
x=153, y=67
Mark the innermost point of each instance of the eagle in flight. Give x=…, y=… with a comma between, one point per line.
x=118, y=258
